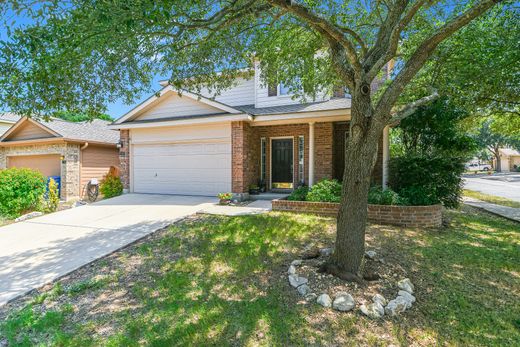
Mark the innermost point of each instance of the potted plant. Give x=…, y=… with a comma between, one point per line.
x=254, y=189
x=224, y=198
x=261, y=186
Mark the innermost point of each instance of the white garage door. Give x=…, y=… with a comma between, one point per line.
x=200, y=168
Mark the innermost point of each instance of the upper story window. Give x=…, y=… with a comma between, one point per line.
x=277, y=90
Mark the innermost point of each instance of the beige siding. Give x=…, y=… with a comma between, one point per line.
x=4, y=127
x=242, y=93
x=173, y=105
x=95, y=163
x=29, y=131
x=48, y=165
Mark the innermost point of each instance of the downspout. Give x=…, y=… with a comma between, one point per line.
x=81, y=149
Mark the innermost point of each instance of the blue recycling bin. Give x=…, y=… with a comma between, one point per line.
x=56, y=179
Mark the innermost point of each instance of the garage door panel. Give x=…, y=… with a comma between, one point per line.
x=189, y=168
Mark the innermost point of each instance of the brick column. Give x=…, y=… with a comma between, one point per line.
x=323, y=151
x=124, y=158
x=240, y=144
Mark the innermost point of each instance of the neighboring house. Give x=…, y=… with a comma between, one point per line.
x=6, y=121
x=186, y=143
x=76, y=152
x=509, y=159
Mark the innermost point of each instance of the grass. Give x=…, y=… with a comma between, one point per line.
x=222, y=281
x=491, y=198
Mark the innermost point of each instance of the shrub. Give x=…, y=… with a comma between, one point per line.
x=299, y=194
x=427, y=179
x=378, y=196
x=20, y=191
x=325, y=191
x=51, y=201
x=111, y=186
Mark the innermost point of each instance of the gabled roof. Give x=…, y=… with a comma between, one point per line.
x=168, y=90
x=94, y=131
x=509, y=152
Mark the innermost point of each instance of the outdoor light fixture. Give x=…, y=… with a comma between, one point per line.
x=120, y=144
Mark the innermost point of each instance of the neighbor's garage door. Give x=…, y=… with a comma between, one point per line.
x=196, y=161
x=48, y=165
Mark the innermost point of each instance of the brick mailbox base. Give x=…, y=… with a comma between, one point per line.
x=409, y=216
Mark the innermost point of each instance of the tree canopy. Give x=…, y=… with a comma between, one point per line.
x=82, y=55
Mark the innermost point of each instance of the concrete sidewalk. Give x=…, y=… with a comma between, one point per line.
x=37, y=251
x=503, y=211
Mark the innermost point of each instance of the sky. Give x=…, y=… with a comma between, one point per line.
x=116, y=109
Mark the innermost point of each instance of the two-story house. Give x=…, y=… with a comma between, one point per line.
x=250, y=134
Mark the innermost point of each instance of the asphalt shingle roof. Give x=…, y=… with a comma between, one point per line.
x=332, y=104
x=95, y=131
x=9, y=117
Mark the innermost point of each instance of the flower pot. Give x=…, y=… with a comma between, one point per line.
x=254, y=191
x=224, y=202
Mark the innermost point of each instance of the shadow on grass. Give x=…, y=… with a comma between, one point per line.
x=467, y=278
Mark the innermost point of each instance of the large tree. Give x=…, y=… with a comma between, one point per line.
x=83, y=54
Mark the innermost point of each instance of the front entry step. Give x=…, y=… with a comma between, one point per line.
x=268, y=196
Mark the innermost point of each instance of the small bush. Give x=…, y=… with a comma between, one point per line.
x=299, y=194
x=325, y=191
x=111, y=186
x=21, y=191
x=378, y=196
x=51, y=201
x=419, y=196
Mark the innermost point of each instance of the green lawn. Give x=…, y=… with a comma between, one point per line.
x=222, y=281
x=491, y=198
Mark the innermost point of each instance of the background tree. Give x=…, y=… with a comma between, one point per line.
x=81, y=116
x=497, y=132
x=84, y=54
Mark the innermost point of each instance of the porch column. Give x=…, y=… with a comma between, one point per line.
x=386, y=155
x=311, y=153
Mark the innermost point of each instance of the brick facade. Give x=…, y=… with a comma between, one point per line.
x=246, y=152
x=124, y=158
x=70, y=166
x=408, y=216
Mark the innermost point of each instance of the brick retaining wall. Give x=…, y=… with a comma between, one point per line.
x=409, y=216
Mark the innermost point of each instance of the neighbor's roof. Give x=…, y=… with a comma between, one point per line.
x=94, y=131
x=509, y=152
x=332, y=104
x=9, y=117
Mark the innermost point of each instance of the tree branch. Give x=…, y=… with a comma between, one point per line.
x=331, y=32
x=424, y=51
x=409, y=109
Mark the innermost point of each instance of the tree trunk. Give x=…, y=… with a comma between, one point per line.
x=360, y=158
x=498, y=161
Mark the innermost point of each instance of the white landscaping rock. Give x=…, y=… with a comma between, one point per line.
x=343, y=302
x=325, y=252
x=374, y=310
x=297, y=281
x=78, y=204
x=379, y=299
x=409, y=298
x=396, y=306
x=324, y=300
x=304, y=289
x=29, y=216
x=291, y=270
x=296, y=262
x=406, y=284
x=371, y=254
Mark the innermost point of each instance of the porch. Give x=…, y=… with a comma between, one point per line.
x=281, y=157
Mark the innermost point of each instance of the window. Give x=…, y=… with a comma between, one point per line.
x=301, y=156
x=272, y=90
x=284, y=90
x=262, y=159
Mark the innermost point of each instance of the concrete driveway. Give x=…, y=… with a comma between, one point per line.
x=35, y=252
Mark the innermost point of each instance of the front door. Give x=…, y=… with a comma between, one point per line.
x=282, y=163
